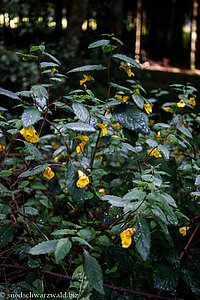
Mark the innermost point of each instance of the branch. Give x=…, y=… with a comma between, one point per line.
x=69, y=277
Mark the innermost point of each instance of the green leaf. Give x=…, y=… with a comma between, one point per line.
x=78, y=194
x=130, y=117
x=26, y=55
x=197, y=181
x=128, y=60
x=3, y=189
x=163, y=151
x=5, y=173
x=113, y=200
x=79, y=285
x=30, y=116
x=9, y=94
x=34, y=151
x=36, y=170
x=44, y=247
x=98, y=44
x=48, y=65
x=29, y=211
x=171, y=217
x=131, y=148
x=81, y=241
x=157, y=211
x=6, y=234
x=38, y=186
x=93, y=272
x=62, y=249
x=165, y=278
x=135, y=194
x=151, y=143
x=162, y=197
x=142, y=237
x=79, y=126
x=138, y=99
x=185, y=131
x=52, y=57
x=12, y=161
x=192, y=280
x=88, y=68
x=81, y=112
x=120, y=88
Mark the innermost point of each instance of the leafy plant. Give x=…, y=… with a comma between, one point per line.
x=79, y=173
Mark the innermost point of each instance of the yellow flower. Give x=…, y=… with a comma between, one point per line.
x=151, y=122
x=154, y=152
x=148, y=108
x=179, y=156
x=192, y=101
x=126, y=237
x=127, y=68
x=115, y=136
x=103, y=128
x=57, y=157
x=80, y=147
x=181, y=103
x=54, y=145
x=98, y=157
x=30, y=135
x=83, y=180
x=102, y=191
x=107, y=112
x=86, y=78
x=53, y=71
x=137, y=91
x=183, y=230
x=168, y=108
x=2, y=148
x=82, y=138
x=48, y=173
x=158, y=135
x=122, y=98
x=116, y=125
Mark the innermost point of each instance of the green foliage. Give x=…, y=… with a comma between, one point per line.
x=104, y=195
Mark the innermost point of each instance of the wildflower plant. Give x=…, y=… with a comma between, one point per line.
x=96, y=191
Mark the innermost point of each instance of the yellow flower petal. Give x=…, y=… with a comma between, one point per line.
x=30, y=135
x=127, y=68
x=192, y=101
x=168, y=108
x=53, y=71
x=116, y=125
x=83, y=180
x=103, y=128
x=86, y=78
x=80, y=147
x=82, y=138
x=2, y=148
x=137, y=91
x=48, y=173
x=181, y=103
x=183, y=230
x=115, y=136
x=54, y=145
x=148, y=108
x=154, y=152
x=58, y=157
x=102, y=191
x=121, y=97
x=126, y=237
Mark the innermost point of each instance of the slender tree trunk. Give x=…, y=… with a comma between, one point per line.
x=138, y=30
x=193, y=35
x=75, y=20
